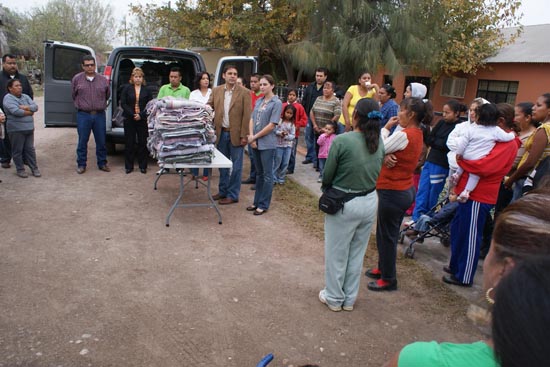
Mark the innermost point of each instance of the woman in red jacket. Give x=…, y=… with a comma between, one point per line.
x=395, y=186
x=469, y=220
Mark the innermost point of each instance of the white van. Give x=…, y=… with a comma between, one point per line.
x=63, y=60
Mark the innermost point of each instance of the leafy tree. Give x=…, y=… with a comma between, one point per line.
x=70, y=21
x=231, y=24
x=442, y=36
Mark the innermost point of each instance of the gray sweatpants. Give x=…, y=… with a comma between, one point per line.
x=22, y=149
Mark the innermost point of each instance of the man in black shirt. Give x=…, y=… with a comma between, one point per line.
x=311, y=93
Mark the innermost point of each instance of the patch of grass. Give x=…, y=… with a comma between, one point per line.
x=300, y=204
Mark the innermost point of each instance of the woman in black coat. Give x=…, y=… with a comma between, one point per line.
x=135, y=121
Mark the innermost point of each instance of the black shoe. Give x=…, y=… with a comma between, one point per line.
x=248, y=181
x=143, y=170
x=307, y=161
x=447, y=270
x=450, y=279
x=289, y=172
x=129, y=170
x=373, y=273
x=381, y=285
x=253, y=187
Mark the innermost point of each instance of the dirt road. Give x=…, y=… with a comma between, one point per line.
x=90, y=276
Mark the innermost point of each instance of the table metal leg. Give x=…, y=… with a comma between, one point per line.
x=175, y=205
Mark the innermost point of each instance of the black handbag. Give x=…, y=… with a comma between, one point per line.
x=332, y=201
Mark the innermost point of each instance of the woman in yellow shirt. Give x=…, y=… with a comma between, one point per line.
x=363, y=89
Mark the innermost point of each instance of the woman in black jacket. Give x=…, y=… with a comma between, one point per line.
x=436, y=167
x=133, y=101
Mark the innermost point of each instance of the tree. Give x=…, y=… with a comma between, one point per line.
x=70, y=21
x=231, y=24
x=442, y=36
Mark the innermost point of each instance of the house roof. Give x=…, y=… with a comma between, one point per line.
x=530, y=47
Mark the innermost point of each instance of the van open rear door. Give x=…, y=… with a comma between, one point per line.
x=62, y=61
x=246, y=66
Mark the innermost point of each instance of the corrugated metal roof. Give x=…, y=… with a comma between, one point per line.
x=530, y=47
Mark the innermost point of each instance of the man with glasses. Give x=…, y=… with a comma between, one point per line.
x=90, y=94
x=9, y=71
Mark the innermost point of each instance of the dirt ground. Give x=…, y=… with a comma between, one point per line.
x=91, y=276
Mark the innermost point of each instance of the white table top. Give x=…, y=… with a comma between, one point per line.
x=219, y=161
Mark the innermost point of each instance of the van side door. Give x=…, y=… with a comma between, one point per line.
x=62, y=61
x=246, y=66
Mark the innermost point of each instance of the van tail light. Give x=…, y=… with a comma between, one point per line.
x=107, y=72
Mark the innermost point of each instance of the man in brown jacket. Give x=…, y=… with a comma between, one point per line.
x=232, y=107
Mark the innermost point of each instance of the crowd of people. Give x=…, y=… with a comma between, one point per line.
x=382, y=157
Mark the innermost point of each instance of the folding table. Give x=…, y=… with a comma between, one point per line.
x=219, y=161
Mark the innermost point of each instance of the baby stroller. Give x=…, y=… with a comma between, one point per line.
x=434, y=223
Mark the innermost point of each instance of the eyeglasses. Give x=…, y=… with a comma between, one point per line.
x=88, y=65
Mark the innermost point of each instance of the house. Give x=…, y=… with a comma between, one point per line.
x=519, y=72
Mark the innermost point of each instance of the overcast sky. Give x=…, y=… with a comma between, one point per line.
x=534, y=11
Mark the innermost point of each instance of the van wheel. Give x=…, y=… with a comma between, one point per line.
x=111, y=148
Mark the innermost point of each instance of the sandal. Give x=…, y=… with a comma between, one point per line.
x=259, y=211
x=251, y=208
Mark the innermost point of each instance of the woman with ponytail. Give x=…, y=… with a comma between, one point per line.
x=395, y=185
x=352, y=166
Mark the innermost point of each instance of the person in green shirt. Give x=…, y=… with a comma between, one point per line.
x=175, y=88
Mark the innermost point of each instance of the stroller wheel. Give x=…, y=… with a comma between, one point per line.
x=409, y=253
x=445, y=241
x=401, y=237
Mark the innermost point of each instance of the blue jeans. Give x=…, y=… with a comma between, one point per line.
x=310, y=142
x=341, y=128
x=230, y=185
x=264, y=177
x=282, y=158
x=252, y=175
x=195, y=172
x=87, y=123
x=322, y=162
x=292, y=160
x=432, y=180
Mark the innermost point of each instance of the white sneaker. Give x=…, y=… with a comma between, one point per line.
x=347, y=308
x=323, y=299
x=408, y=223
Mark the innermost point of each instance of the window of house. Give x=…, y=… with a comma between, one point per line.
x=453, y=87
x=498, y=91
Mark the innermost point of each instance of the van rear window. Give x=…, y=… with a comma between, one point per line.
x=67, y=63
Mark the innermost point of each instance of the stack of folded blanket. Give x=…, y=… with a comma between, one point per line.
x=180, y=131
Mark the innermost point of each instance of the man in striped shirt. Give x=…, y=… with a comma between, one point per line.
x=90, y=95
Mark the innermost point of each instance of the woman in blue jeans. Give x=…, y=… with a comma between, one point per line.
x=265, y=117
x=436, y=168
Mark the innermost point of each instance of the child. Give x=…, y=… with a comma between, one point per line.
x=324, y=141
x=285, y=132
x=476, y=142
x=301, y=121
